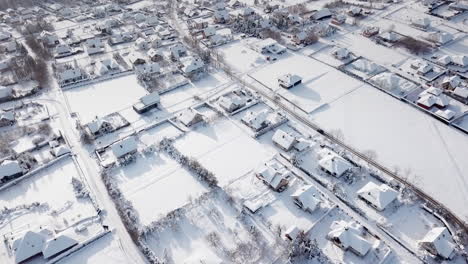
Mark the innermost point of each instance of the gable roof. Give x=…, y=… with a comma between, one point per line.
x=308, y=196
x=378, y=195
x=124, y=146
x=283, y=139
x=150, y=99
x=440, y=238
x=349, y=236
x=28, y=246
x=334, y=163
x=57, y=245
x=9, y=168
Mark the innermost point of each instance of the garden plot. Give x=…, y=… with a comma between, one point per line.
x=319, y=233
x=159, y=132
x=240, y=57
x=104, y=98
x=156, y=185
x=320, y=85
x=211, y=231
x=224, y=149
x=404, y=139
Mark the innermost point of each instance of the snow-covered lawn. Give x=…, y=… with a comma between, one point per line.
x=156, y=185
x=105, y=97
x=225, y=149
x=432, y=154
x=239, y=56
x=320, y=85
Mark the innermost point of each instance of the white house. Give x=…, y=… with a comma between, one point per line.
x=334, y=164
x=94, y=46
x=307, y=198
x=446, y=114
x=7, y=118
x=209, y=31
x=232, y=103
x=349, y=236
x=256, y=120
x=190, y=117
x=289, y=80
x=142, y=44
x=50, y=39
x=422, y=22
x=10, y=168
x=378, y=196
x=322, y=14
x=63, y=49
x=275, y=175
x=124, y=147
x=70, y=75
x=284, y=140
x=149, y=68
x=462, y=92
x=147, y=102
x=99, y=127
x=439, y=242
x=178, y=50
x=56, y=245
x=191, y=65
x=5, y=35
x=341, y=53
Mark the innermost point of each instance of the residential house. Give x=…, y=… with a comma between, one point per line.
x=148, y=68
x=63, y=50
x=191, y=65
x=99, y=127
x=232, y=103
x=421, y=22
x=461, y=92
x=432, y=97
x=94, y=46
x=60, y=151
x=155, y=54
x=208, y=32
x=10, y=168
x=6, y=93
x=321, y=14
x=355, y=11
x=5, y=35
x=440, y=38
x=370, y=31
x=341, y=53
x=378, y=196
x=28, y=246
x=275, y=175
x=283, y=140
x=221, y=16
x=446, y=114
x=339, y=19
x=460, y=61
x=256, y=120
x=334, y=164
x=438, y=242
x=108, y=66
x=70, y=75
x=307, y=198
x=142, y=44
x=49, y=39
x=289, y=80
x=190, y=117
x=57, y=245
x=349, y=236
x=451, y=82
x=7, y=118
x=178, y=50
x=147, y=102
x=124, y=147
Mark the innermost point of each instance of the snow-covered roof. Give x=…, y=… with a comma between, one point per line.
x=57, y=245
x=256, y=119
x=292, y=232
x=349, y=236
x=274, y=173
x=231, y=102
x=61, y=150
x=191, y=64
x=334, y=164
x=28, y=246
x=422, y=22
x=308, y=196
x=441, y=240
x=461, y=91
x=289, y=79
x=461, y=60
x=209, y=31
x=378, y=195
x=283, y=139
x=9, y=168
x=124, y=146
x=189, y=117
x=341, y=53
x=70, y=74
x=95, y=125
x=446, y=114
x=445, y=60
x=150, y=99
x=9, y=115
x=454, y=81
x=322, y=13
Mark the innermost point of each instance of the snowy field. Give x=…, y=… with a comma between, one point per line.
x=242, y=58
x=104, y=98
x=432, y=154
x=156, y=185
x=320, y=85
x=225, y=149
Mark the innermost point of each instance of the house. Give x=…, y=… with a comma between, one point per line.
x=445, y=60
x=94, y=46
x=349, y=236
x=63, y=50
x=28, y=246
x=208, y=32
x=99, y=127
x=339, y=19
x=136, y=59
x=10, y=168
x=341, y=53
x=424, y=68
x=446, y=114
x=432, y=97
x=149, y=68
x=370, y=31
x=139, y=18
x=190, y=117
x=389, y=36
x=421, y=22
x=178, y=50
x=256, y=120
x=292, y=233
x=378, y=196
x=107, y=66
x=120, y=37
x=321, y=14
x=155, y=54
x=231, y=104
x=217, y=40
x=60, y=151
x=440, y=38
x=221, y=16
x=56, y=245
x=268, y=45
x=334, y=164
x=147, y=102
x=283, y=140
x=10, y=46
x=307, y=198
x=142, y=44
x=5, y=35
x=6, y=93
x=70, y=75
x=461, y=92
x=451, y=82
x=438, y=242
x=49, y=39
x=191, y=65
x=275, y=175
x=355, y=11
x=289, y=80
x=246, y=12
x=7, y=118
x=460, y=61
x=124, y=147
